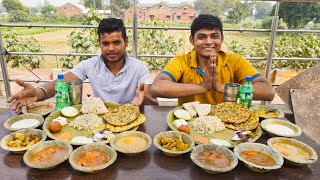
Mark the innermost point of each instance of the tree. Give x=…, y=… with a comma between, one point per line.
x=14, y=5
x=118, y=6
x=95, y=4
x=239, y=10
x=298, y=15
x=214, y=7
x=263, y=9
x=48, y=9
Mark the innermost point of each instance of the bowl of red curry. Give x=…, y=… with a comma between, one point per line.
x=213, y=159
x=92, y=158
x=258, y=157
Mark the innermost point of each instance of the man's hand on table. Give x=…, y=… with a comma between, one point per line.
x=26, y=96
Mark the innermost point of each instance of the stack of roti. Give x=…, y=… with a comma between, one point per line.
x=123, y=118
x=94, y=105
x=195, y=108
x=236, y=116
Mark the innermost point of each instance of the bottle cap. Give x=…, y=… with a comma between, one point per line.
x=60, y=76
x=248, y=78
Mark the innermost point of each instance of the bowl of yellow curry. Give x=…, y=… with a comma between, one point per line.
x=131, y=143
x=265, y=111
x=20, y=141
x=92, y=158
x=173, y=143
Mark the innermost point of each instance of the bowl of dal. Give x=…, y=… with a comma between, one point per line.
x=279, y=127
x=21, y=140
x=47, y=155
x=131, y=143
x=258, y=157
x=213, y=159
x=293, y=151
x=23, y=121
x=92, y=158
x=42, y=108
x=266, y=111
x=173, y=143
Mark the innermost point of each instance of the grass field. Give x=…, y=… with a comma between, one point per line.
x=55, y=40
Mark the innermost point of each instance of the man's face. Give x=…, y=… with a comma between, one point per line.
x=113, y=46
x=206, y=42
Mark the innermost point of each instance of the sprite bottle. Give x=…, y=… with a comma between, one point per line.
x=62, y=94
x=246, y=92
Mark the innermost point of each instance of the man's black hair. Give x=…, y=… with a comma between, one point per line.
x=205, y=21
x=110, y=25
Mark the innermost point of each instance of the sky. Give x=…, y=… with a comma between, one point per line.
x=61, y=2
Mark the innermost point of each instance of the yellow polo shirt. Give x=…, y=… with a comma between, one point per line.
x=231, y=68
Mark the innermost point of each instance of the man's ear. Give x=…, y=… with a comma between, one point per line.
x=222, y=38
x=191, y=39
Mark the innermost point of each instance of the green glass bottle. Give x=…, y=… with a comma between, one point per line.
x=246, y=92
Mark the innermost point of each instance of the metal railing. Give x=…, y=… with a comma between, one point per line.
x=135, y=28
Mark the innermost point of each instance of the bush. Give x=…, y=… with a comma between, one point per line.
x=266, y=23
x=76, y=18
x=19, y=16
x=54, y=17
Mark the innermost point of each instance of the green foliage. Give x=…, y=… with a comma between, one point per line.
x=13, y=43
x=267, y=21
x=53, y=18
x=48, y=9
x=214, y=7
x=287, y=45
x=20, y=16
x=94, y=4
x=118, y=6
x=239, y=10
x=14, y=5
x=154, y=41
x=297, y=15
x=263, y=9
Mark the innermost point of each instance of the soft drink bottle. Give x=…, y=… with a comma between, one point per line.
x=246, y=92
x=62, y=94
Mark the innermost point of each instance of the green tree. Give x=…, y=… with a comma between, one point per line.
x=119, y=6
x=297, y=15
x=263, y=9
x=14, y=5
x=214, y=7
x=239, y=10
x=48, y=9
x=96, y=4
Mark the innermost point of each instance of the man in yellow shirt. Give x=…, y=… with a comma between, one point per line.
x=200, y=75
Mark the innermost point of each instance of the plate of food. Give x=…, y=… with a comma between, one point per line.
x=92, y=121
x=23, y=121
x=266, y=111
x=42, y=108
x=226, y=124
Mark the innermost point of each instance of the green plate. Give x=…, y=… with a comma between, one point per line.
x=225, y=134
x=69, y=129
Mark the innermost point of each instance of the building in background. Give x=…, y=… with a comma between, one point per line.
x=162, y=12
x=70, y=9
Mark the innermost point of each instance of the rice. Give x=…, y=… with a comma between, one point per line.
x=207, y=125
x=86, y=122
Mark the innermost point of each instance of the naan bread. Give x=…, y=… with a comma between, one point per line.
x=122, y=115
x=231, y=112
x=190, y=108
x=251, y=124
x=141, y=119
x=94, y=105
x=182, y=114
x=202, y=109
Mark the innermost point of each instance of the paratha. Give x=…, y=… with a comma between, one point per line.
x=141, y=119
x=122, y=115
x=231, y=112
x=251, y=124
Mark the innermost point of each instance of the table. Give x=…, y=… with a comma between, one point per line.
x=152, y=164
